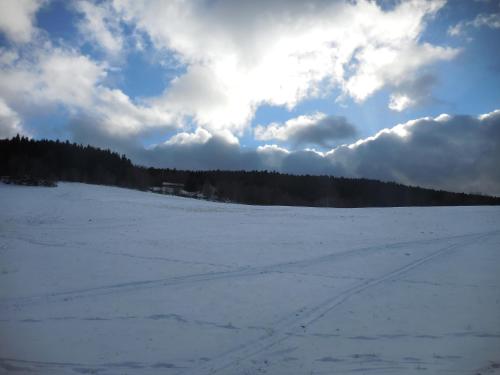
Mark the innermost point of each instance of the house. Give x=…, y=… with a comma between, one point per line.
x=168, y=188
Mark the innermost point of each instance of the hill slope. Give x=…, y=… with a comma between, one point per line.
x=105, y=280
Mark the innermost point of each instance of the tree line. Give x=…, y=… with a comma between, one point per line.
x=21, y=157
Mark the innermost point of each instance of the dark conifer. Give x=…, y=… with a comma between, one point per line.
x=37, y=160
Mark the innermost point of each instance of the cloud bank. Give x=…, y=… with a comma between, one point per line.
x=457, y=153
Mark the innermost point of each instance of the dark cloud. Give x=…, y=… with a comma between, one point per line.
x=87, y=131
x=457, y=153
x=418, y=92
x=317, y=130
x=325, y=133
x=216, y=153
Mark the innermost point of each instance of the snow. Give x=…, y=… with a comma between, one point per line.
x=102, y=280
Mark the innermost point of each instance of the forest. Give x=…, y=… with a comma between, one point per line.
x=48, y=160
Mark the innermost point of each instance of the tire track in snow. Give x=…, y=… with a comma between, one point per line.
x=299, y=320
x=132, y=286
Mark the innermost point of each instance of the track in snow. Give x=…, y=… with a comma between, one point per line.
x=299, y=320
x=129, y=287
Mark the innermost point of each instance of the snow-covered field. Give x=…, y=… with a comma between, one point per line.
x=101, y=280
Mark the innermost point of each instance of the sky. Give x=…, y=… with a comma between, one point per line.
x=404, y=91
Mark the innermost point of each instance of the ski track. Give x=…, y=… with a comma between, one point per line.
x=128, y=287
x=300, y=319
x=18, y=365
x=77, y=246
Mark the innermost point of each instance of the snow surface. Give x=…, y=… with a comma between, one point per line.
x=102, y=280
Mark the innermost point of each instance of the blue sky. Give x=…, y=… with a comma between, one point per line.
x=265, y=79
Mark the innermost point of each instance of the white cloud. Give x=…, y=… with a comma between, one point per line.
x=68, y=77
x=399, y=102
x=56, y=76
x=52, y=75
x=237, y=56
x=240, y=55
x=122, y=117
x=7, y=57
x=10, y=123
x=17, y=17
x=488, y=20
x=491, y=20
x=316, y=129
x=268, y=149
x=456, y=30
x=100, y=25
x=200, y=136
x=381, y=66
